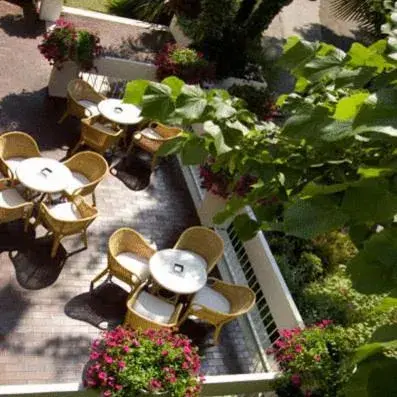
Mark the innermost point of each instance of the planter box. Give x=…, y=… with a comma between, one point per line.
x=178, y=34
x=59, y=79
x=50, y=10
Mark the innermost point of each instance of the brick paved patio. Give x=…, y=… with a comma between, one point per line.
x=47, y=316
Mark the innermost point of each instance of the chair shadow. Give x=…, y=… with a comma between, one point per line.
x=134, y=171
x=34, y=267
x=25, y=26
x=104, y=307
x=200, y=333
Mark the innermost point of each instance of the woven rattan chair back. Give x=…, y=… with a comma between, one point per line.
x=241, y=300
x=136, y=320
x=127, y=240
x=21, y=211
x=202, y=241
x=98, y=138
x=79, y=90
x=93, y=166
x=18, y=144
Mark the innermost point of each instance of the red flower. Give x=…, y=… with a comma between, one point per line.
x=296, y=380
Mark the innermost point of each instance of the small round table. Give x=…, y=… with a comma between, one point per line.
x=118, y=112
x=179, y=271
x=43, y=175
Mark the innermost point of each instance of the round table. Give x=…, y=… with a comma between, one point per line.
x=179, y=271
x=43, y=175
x=118, y=112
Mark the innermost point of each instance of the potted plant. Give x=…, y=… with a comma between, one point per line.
x=68, y=50
x=126, y=363
x=183, y=62
x=315, y=361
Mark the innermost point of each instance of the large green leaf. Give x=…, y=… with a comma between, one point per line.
x=348, y=107
x=246, y=228
x=375, y=377
x=296, y=52
x=194, y=151
x=356, y=78
x=171, y=146
x=214, y=130
x=378, y=113
x=329, y=65
x=134, y=91
x=157, y=102
x=175, y=84
x=370, y=201
x=366, y=56
x=373, y=270
x=312, y=217
x=191, y=103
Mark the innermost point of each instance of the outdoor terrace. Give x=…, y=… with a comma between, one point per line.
x=47, y=316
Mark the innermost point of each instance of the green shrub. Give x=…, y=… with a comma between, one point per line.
x=334, y=297
x=155, y=11
x=335, y=248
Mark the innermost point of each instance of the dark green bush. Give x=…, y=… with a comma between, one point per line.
x=155, y=11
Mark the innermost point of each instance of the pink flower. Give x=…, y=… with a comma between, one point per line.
x=107, y=393
x=122, y=364
x=299, y=348
x=164, y=353
x=102, y=375
x=108, y=359
x=296, y=380
x=155, y=384
x=187, y=350
x=94, y=356
x=126, y=349
x=185, y=365
x=118, y=387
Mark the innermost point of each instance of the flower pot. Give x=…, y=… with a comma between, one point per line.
x=210, y=206
x=50, y=10
x=178, y=33
x=59, y=79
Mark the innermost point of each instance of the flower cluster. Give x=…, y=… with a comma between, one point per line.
x=311, y=359
x=185, y=63
x=64, y=43
x=124, y=362
x=222, y=184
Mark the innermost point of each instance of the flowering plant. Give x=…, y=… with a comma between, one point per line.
x=185, y=63
x=65, y=43
x=314, y=360
x=124, y=363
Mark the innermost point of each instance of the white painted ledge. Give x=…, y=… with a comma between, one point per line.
x=113, y=18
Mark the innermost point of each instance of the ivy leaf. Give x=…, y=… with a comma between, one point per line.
x=157, y=102
x=214, y=130
x=175, y=84
x=311, y=217
x=373, y=269
x=348, y=107
x=171, y=146
x=194, y=151
x=191, y=103
x=224, y=110
x=134, y=91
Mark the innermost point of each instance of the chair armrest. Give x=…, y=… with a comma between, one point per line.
x=131, y=300
x=4, y=168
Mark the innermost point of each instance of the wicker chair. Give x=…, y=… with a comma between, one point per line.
x=219, y=303
x=204, y=242
x=15, y=147
x=88, y=170
x=145, y=310
x=82, y=100
x=12, y=205
x=128, y=258
x=152, y=138
x=66, y=219
x=99, y=134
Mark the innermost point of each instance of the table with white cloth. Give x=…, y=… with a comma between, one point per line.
x=178, y=271
x=43, y=175
x=121, y=113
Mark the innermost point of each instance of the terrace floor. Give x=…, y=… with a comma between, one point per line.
x=47, y=315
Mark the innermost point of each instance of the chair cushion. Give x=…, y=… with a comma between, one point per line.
x=212, y=299
x=64, y=211
x=150, y=133
x=91, y=108
x=107, y=127
x=134, y=264
x=78, y=180
x=153, y=308
x=10, y=198
x=13, y=162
